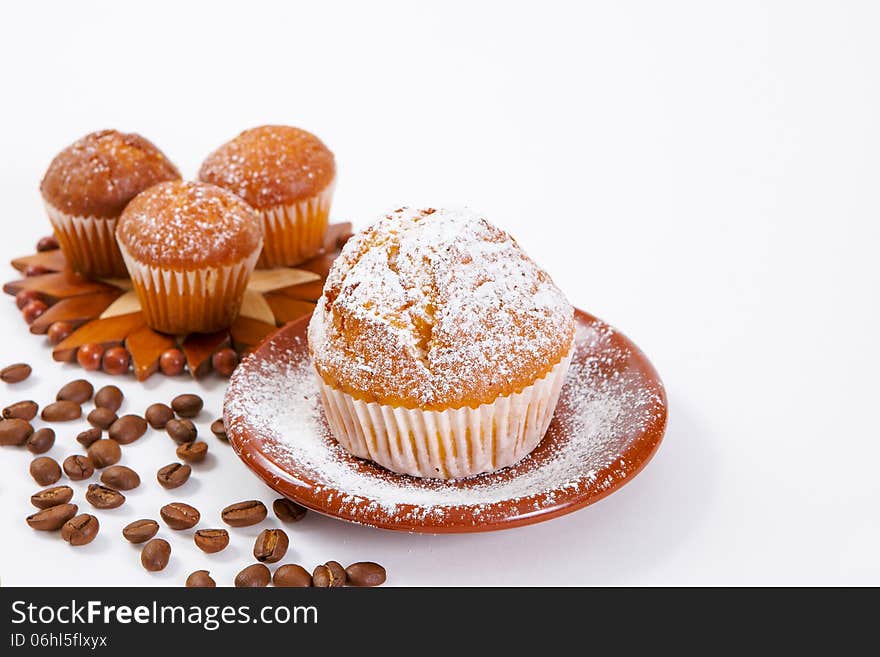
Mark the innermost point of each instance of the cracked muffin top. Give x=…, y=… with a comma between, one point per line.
x=437, y=309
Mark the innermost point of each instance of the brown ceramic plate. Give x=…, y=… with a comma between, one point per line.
x=609, y=422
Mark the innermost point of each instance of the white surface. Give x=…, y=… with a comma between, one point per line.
x=701, y=175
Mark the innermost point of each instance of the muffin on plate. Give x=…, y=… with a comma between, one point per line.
x=87, y=186
x=440, y=346
x=190, y=249
x=287, y=175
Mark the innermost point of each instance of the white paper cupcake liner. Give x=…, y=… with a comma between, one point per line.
x=88, y=243
x=446, y=444
x=294, y=233
x=180, y=302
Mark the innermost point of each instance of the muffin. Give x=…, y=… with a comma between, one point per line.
x=87, y=186
x=440, y=347
x=287, y=175
x=190, y=249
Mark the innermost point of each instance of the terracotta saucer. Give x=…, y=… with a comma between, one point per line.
x=609, y=422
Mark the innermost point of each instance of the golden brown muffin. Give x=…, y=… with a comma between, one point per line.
x=440, y=314
x=288, y=175
x=87, y=186
x=190, y=248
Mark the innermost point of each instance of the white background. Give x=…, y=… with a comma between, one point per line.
x=704, y=176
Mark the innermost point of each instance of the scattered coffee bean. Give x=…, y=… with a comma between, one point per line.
x=330, y=575
x=192, y=452
x=80, y=530
x=24, y=297
x=109, y=397
x=219, y=429
x=253, y=577
x=178, y=515
x=292, y=575
x=15, y=373
x=244, y=514
x=89, y=356
x=102, y=497
x=140, y=531
x=172, y=362
x=40, y=441
x=187, y=405
x=23, y=410
x=182, y=431
x=155, y=555
x=61, y=411
x=52, y=497
x=79, y=391
x=200, y=579
x=14, y=431
x=78, y=467
x=87, y=437
x=48, y=243
x=365, y=573
x=224, y=361
x=104, y=452
x=287, y=510
x=211, y=540
x=102, y=418
x=127, y=429
x=173, y=475
x=51, y=519
x=58, y=331
x=33, y=310
x=158, y=415
x=271, y=546
x=45, y=470
x=120, y=477
x=116, y=361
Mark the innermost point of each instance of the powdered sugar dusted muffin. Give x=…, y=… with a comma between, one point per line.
x=440, y=346
x=87, y=186
x=288, y=175
x=190, y=249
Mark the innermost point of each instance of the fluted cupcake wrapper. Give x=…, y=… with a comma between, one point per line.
x=294, y=233
x=179, y=302
x=447, y=444
x=89, y=243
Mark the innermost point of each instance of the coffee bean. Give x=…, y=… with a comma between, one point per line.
x=365, y=573
x=182, y=431
x=172, y=362
x=127, y=429
x=87, y=437
x=80, y=530
x=219, y=429
x=45, y=470
x=14, y=431
x=33, y=310
x=79, y=391
x=23, y=410
x=224, y=361
x=253, y=577
x=61, y=411
x=52, y=518
x=102, y=418
x=48, y=243
x=192, y=452
x=271, y=546
x=287, y=510
x=116, y=361
x=140, y=530
x=78, y=467
x=330, y=575
x=187, y=405
x=24, y=297
x=155, y=555
x=41, y=441
x=173, y=475
x=52, y=497
x=109, y=397
x=211, y=540
x=89, y=356
x=178, y=515
x=292, y=575
x=244, y=514
x=102, y=497
x=104, y=452
x=58, y=331
x=120, y=477
x=200, y=579
x=15, y=373
x=158, y=415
